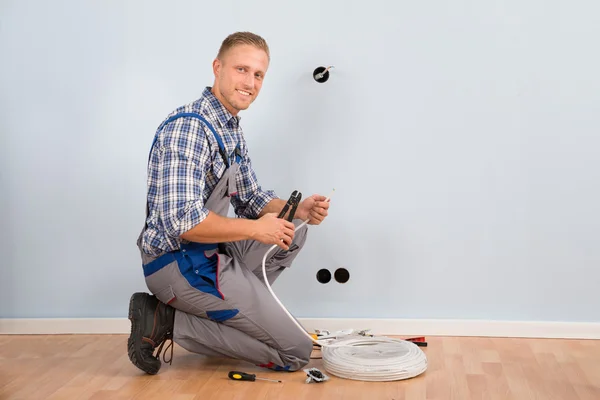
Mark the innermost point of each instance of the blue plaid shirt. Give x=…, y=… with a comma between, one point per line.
x=184, y=168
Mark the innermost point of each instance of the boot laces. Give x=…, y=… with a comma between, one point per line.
x=168, y=337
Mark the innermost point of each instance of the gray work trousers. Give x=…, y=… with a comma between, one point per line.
x=229, y=311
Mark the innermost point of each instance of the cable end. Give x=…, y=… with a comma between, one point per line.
x=329, y=197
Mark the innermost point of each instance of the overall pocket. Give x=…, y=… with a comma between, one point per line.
x=165, y=295
x=159, y=283
x=201, y=271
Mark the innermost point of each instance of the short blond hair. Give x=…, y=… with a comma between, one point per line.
x=239, y=38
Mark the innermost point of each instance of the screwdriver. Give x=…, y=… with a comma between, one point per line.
x=243, y=376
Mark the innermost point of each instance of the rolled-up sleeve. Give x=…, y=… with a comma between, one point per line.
x=181, y=178
x=251, y=198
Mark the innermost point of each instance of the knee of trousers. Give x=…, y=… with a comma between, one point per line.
x=300, y=236
x=298, y=356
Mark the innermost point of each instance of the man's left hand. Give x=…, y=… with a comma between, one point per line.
x=313, y=208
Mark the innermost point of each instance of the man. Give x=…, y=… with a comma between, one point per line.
x=203, y=268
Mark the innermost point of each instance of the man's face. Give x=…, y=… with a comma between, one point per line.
x=239, y=76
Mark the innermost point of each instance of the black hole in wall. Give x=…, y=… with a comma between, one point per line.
x=324, y=276
x=318, y=71
x=342, y=275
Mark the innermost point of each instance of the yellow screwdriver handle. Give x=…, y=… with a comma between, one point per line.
x=244, y=376
x=241, y=376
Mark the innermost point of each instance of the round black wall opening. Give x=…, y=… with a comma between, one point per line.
x=342, y=275
x=324, y=276
x=325, y=76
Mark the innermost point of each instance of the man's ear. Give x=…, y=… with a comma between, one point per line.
x=216, y=67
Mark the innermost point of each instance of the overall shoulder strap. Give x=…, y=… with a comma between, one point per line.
x=201, y=118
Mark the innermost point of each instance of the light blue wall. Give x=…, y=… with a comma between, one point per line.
x=463, y=140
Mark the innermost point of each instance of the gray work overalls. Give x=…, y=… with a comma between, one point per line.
x=223, y=306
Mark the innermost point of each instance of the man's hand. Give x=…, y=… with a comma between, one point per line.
x=272, y=230
x=313, y=208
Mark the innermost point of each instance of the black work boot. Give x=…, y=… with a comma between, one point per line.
x=151, y=326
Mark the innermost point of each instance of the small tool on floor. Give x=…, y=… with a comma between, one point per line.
x=314, y=375
x=419, y=341
x=244, y=376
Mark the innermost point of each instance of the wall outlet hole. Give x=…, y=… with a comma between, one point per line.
x=324, y=276
x=342, y=275
x=318, y=71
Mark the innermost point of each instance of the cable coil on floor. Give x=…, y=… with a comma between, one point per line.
x=368, y=358
x=375, y=358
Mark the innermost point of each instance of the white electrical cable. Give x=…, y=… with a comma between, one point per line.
x=374, y=359
x=362, y=358
x=264, y=269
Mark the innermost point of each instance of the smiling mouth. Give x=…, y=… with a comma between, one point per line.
x=243, y=93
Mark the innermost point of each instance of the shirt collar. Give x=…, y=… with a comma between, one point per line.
x=223, y=115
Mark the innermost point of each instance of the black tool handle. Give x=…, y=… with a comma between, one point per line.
x=293, y=202
x=241, y=376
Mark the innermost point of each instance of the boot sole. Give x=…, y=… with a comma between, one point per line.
x=133, y=346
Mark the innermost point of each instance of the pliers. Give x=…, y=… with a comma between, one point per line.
x=293, y=202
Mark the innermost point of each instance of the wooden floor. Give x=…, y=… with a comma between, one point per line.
x=96, y=367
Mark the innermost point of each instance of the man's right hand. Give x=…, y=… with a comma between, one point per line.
x=273, y=230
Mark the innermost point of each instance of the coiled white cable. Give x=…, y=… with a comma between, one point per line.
x=374, y=359
x=362, y=358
